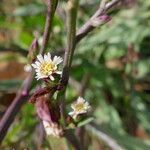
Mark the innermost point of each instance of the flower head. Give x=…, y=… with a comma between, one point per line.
x=79, y=107
x=45, y=67
x=52, y=129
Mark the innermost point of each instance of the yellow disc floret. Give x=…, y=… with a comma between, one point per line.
x=79, y=106
x=47, y=68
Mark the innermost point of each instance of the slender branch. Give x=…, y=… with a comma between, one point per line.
x=71, y=33
x=72, y=139
x=88, y=26
x=51, y=7
x=72, y=7
x=75, y=84
x=23, y=94
x=41, y=134
x=80, y=87
x=14, y=108
x=103, y=136
x=84, y=84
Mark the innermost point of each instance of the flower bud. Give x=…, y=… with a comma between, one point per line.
x=33, y=50
x=50, y=116
x=100, y=20
x=47, y=111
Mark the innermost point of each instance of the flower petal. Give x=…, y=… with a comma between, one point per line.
x=71, y=113
x=37, y=63
x=49, y=55
x=51, y=77
x=80, y=100
x=57, y=60
x=34, y=65
x=58, y=72
x=40, y=58
x=45, y=57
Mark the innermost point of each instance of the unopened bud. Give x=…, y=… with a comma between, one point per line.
x=33, y=50
x=100, y=20
x=46, y=110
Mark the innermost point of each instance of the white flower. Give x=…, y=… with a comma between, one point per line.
x=52, y=129
x=45, y=67
x=79, y=107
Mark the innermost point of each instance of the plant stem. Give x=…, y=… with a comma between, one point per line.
x=72, y=7
x=95, y=129
x=15, y=106
x=23, y=94
x=88, y=27
x=70, y=136
x=51, y=7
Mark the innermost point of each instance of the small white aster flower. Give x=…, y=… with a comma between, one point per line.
x=52, y=129
x=79, y=107
x=45, y=67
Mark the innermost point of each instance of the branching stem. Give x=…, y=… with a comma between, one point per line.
x=23, y=94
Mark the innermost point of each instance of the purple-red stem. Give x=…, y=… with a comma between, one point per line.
x=22, y=95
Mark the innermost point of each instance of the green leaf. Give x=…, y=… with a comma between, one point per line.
x=84, y=122
x=7, y=85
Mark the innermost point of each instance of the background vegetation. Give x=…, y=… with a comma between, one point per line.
x=112, y=62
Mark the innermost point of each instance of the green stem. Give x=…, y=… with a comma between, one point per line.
x=72, y=7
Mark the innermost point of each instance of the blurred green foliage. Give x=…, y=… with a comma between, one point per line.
x=116, y=56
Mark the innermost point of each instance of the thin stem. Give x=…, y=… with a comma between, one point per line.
x=23, y=94
x=92, y=127
x=81, y=86
x=72, y=7
x=14, y=108
x=51, y=7
x=72, y=139
x=88, y=27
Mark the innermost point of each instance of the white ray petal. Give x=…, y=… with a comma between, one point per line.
x=71, y=113
x=45, y=57
x=59, y=72
x=57, y=60
x=40, y=58
x=37, y=63
x=51, y=77
x=80, y=100
x=49, y=55
x=34, y=65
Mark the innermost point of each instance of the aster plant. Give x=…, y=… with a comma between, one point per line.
x=53, y=71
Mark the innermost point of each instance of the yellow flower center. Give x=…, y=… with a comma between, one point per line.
x=46, y=68
x=79, y=107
